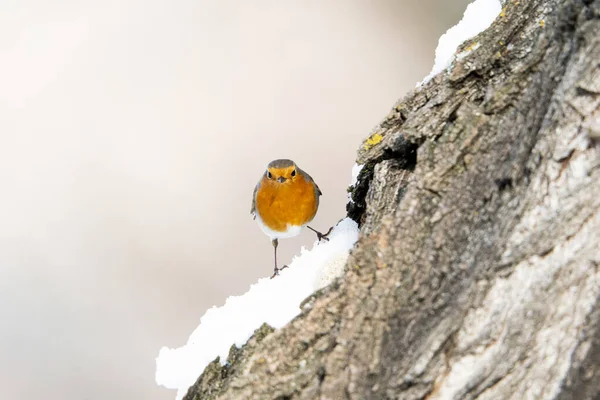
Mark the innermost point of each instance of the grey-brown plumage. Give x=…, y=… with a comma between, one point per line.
x=281, y=163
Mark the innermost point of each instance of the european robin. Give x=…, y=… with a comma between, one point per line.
x=285, y=200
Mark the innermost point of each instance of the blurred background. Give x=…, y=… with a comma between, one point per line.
x=132, y=134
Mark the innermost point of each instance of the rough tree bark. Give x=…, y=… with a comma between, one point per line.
x=477, y=274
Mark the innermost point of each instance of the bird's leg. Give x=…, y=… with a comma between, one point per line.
x=275, y=242
x=320, y=235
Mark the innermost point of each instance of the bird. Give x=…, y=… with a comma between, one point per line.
x=285, y=200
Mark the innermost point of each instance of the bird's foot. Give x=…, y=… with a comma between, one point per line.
x=276, y=271
x=323, y=236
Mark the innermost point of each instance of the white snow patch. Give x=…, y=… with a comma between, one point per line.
x=478, y=16
x=274, y=301
x=356, y=168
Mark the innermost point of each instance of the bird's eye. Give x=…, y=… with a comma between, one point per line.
x=269, y=175
x=294, y=173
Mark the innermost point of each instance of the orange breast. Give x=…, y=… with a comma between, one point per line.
x=292, y=202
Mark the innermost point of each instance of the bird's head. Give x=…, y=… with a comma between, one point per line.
x=281, y=171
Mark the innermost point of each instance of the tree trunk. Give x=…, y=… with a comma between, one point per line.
x=477, y=274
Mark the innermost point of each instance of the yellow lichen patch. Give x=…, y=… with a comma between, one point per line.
x=467, y=51
x=471, y=46
x=503, y=12
x=373, y=140
x=542, y=23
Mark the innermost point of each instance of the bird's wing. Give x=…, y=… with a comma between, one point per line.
x=253, y=209
x=310, y=179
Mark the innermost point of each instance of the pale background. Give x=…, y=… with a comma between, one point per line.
x=132, y=134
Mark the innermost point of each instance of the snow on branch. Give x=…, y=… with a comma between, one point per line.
x=274, y=301
x=477, y=17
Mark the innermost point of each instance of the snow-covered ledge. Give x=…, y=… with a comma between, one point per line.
x=478, y=16
x=236, y=320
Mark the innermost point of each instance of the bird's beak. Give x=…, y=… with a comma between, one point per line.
x=281, y=179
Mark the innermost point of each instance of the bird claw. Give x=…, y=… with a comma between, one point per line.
x=323, y=236
x=276, y=271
